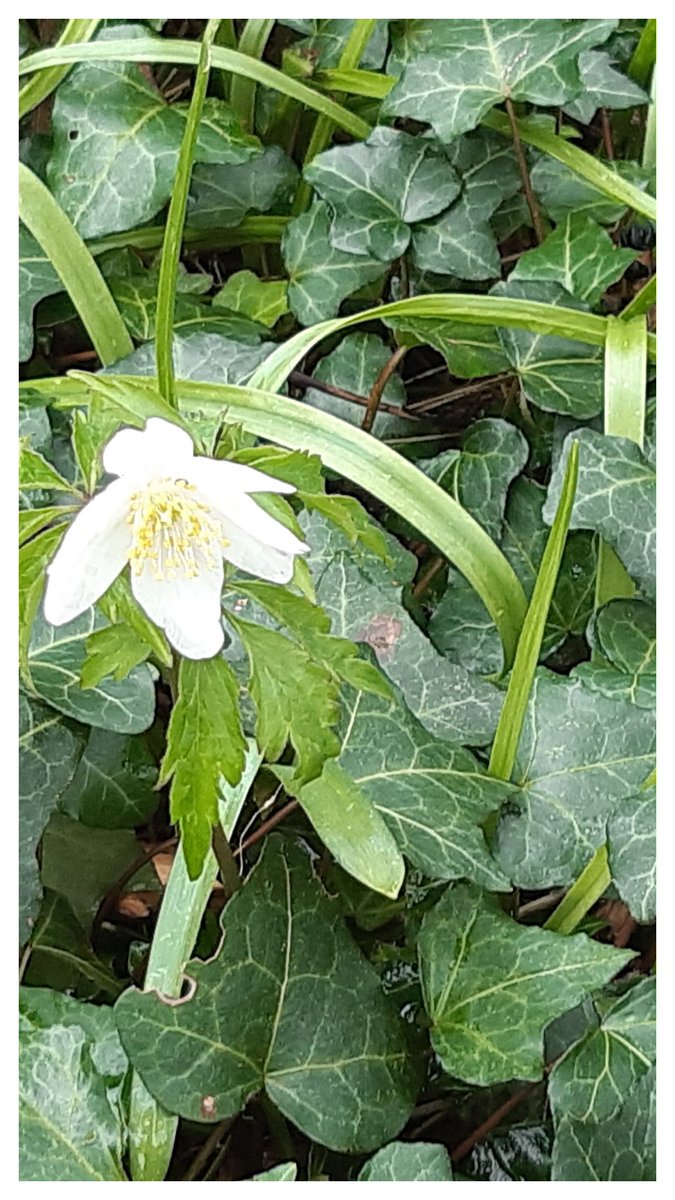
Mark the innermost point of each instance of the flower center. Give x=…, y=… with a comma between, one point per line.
x=172, y=530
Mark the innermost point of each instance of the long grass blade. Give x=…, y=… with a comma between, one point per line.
x=35, y=90
x=242, y=88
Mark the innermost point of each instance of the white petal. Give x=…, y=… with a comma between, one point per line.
x=250, y=518
x=188, y=610
x=160, y=447
x=91, y=555
x=219, y=479
x=256, y=557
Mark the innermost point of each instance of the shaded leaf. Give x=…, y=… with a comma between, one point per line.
x=469, y=350
x=221, y=196
x=354, y=366
x=113, y=786
x=491, y=986
x=290, y=1005
x=621, y=1148
x=616, y=496
x=578, y=255
x=37, y=280
x=327, y=39
x=561, y=191
x=62, y=958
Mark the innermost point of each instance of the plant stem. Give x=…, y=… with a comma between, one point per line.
x=583, y=894
x=42, y=85
x=242, y=89
x=329, y=389
x=532, y=202
x=379, y=386
x=168, y=272
x=644, y=55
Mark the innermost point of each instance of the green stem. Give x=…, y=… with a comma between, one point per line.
x=42, y=85
x=350, y=58
x=641, y=303
x=649, y=146
x=513, y=711
x=227, y=38
x=252, y=230
x=644, y=55
x=583, y=894
x=152, y=1128
x=242, y=89
x=75, y=267
x=168, y=273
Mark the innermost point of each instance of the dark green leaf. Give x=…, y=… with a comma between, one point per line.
x=354, y=366
x=631, y=847
x=61, y=956
x=113, y=786
x=578, y=255
x=622, y=1148
x=221, y=196
x=408, y=1162
x=37, y=279
x=321, y=276
x=603, y=87
x=623, y=636
x=561, y=191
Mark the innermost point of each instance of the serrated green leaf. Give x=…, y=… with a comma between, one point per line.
x=631, y=849
x=345, y=1076
x=62, y=958
x=113, y=651
x=462, y=68
x=55, y=661
x=221, y=196
x=408, y=1162
x=35, y=473
x=113, y=786
x=116, y=144
x=121, y=607
x=353, y=830
x=48, y=755
x=378, y=188
x=321, y=276
x=364, y=605
x=491, y=986
x=34, y=520
x=294, y=466
x=580, y=756
x=434, y=797
x=616, y=497
x=350, y=518
x=603, y=87
x=622, y=1148
x=71, y=1125
x=262, y=300
x=34, y=558
x=578, y=255
x=595, y=1077
x=205, y=742
x=555, y=374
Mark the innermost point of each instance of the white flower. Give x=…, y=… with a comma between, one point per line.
x=174, y=518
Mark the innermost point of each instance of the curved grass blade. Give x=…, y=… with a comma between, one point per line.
x=42, y=85
x=242, y=88
x=173, y=234
x=75, y=267
x=583, y=894
x=511, y=718
x=170, y=50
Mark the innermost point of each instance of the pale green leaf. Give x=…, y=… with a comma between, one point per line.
x=262, y=300
x=603, y=86
x=408, y=1162
x=631, y=848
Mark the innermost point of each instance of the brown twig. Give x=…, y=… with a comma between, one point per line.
x=437, y=563
x=607, y=134
x=206, y=1149
x=460, y=393
x=378, y=387
x=113, y=893
x=491, y=1122
x=266, y=826
x=298, y=379
x=532, y=202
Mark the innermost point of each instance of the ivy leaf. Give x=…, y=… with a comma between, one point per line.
x=71, y=1071
x=205, y=742
x=616, y=496
x=113, y=786
x=62, y=958
x=561, y=191
x=604, y=87
x=378, y=188
x=469, y=66
x=631, y=846
x=321, y=276
x=459, y=242
x=327, y=39
x=469, y=350
x=134, y=290
x=296, y=699
x=434, y=797
x=461, y=626
x=623, y=636
x=48, y=755
x=491, y=986
x=263, y=301
x=578, y=255
x=580, y=757
x=364, y=604
x=55, y=661
x=594, y=1078
x=37, y=280
x=621, y=1148
x=354, y=366
x=343, y=1074
x=221, y=196
x=205, y=357
x=493, y=453
x=353, y=830
x=116, y=144
x=408, y=1162
x=283, y=1173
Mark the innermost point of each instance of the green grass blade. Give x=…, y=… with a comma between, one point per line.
x=152, y=1129
x=644, y=55
x=170, y=50
x=625, y=390
x=641, y=303
x=514, y=707
x=351, y=57
x=173, y=234
x=252, y=230
x=242, y=89
x=75, y=267
x=42, y=85
x=366, y=461
x=583, y=894
x=649, y=146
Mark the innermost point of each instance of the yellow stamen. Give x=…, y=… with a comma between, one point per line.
x=172, y=530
